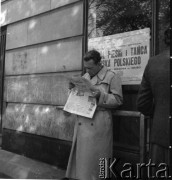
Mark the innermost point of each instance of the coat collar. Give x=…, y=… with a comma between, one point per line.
x=100, y=75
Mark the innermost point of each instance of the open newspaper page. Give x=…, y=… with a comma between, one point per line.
x=80, y=100
x=81, y=83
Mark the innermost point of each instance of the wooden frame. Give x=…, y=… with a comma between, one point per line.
x=143, y=131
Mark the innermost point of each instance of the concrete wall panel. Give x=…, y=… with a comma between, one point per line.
x=51, y=57
x=21, y=9
x=59, y=3
x=40, y=120
x=4, y=14
x=38, y=89
x=21, y=61
x=17, y=35
x=59, y=24
x=62, y=56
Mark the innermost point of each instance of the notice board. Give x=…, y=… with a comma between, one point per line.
x=126, y=53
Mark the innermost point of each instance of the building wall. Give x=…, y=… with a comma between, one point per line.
x=44, y=46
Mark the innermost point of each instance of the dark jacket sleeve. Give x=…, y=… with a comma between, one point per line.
x=145, y=96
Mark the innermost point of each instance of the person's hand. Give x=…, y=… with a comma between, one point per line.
x=96, y=93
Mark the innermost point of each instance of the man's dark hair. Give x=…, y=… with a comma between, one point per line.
x=94, y=55
x=167, y=36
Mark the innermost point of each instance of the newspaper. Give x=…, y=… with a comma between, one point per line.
x=81, y=103
x=81, y=84
x=80, y=100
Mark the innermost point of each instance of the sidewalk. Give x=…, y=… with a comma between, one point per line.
x=13, y=166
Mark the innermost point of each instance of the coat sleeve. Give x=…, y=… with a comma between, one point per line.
x=145, y=96
x=113, y=98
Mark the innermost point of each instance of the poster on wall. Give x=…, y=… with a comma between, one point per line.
x=126, y=53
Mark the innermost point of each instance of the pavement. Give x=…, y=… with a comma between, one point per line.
x=4, y=176
x=14, y=166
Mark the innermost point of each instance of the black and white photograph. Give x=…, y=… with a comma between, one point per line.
x=85, y=89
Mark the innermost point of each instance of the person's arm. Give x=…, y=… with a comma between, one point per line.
x=113, y=98
x=145, y=96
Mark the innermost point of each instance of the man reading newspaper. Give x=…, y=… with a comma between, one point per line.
x=93, y=138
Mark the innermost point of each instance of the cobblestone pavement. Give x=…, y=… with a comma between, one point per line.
x=14, y=166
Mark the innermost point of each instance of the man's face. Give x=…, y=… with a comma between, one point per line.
x=91, y=68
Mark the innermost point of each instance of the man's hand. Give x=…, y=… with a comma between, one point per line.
x=96, y=93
